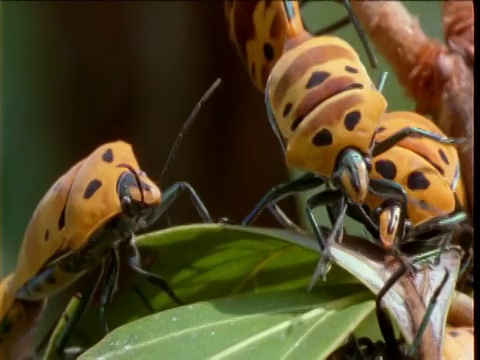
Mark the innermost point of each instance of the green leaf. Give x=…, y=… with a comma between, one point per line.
x=208, y=261
x=277, y=325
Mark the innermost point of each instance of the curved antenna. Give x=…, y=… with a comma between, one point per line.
x=335, y=26
x=351, y=17
x=361, y=34
x=187, y=125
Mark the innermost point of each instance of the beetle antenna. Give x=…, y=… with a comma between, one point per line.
x=351, y=18
x=361, y=34
x=187, y=124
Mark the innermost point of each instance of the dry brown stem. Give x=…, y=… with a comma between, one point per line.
x=437, y=77
x=458, y=26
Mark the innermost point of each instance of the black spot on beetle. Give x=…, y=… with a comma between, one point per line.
x=92, y=188
x=317, y=78
x=47, y=235
x=386, y=168
x=443, y=156
x=453, y=333
x=351, y=69
x=323, y=138
x=352, y=119
x=61, y=218
x=107, y=156
x=296, y=122
x=380, y=129
x=268, y=51
x=417, y=181
x=287, y=109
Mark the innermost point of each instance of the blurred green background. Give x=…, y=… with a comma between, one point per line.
x=77, y=74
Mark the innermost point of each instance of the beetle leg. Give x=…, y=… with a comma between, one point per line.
x=322, y=199
x=465, y=278
x=428, y=312
x=134, y=263
x=69, y=320
x=441, y=224
x=384, y=321
x=305, y=182
x=283, y=219
x=110, y=287
x=168, y=198
x=359, y=214
x=444, y=227
x=398, y=136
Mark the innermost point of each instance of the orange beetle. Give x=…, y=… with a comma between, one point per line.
x=320, y=98
x=101, y=202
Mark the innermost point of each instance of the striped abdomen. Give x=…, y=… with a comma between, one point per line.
x=323, y=101
x=260, y=30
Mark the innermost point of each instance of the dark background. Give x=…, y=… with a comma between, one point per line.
x=78, y=74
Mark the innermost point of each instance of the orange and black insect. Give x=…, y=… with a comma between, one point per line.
x=262, y=30
x=320, y=98
x=100, y=202
x=397, y=170
x=259, y=29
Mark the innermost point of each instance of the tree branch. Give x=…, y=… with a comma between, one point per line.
x=437, y=77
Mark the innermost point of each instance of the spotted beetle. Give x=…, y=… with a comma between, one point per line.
x=101, y=202
x=320, y=98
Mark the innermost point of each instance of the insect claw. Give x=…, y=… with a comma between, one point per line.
x=226, y=220
x=323, y=267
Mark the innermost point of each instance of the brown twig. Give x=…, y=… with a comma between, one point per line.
x=437, y=77
x=458, y=27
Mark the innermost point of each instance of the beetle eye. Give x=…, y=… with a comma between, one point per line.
x=129, y=185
